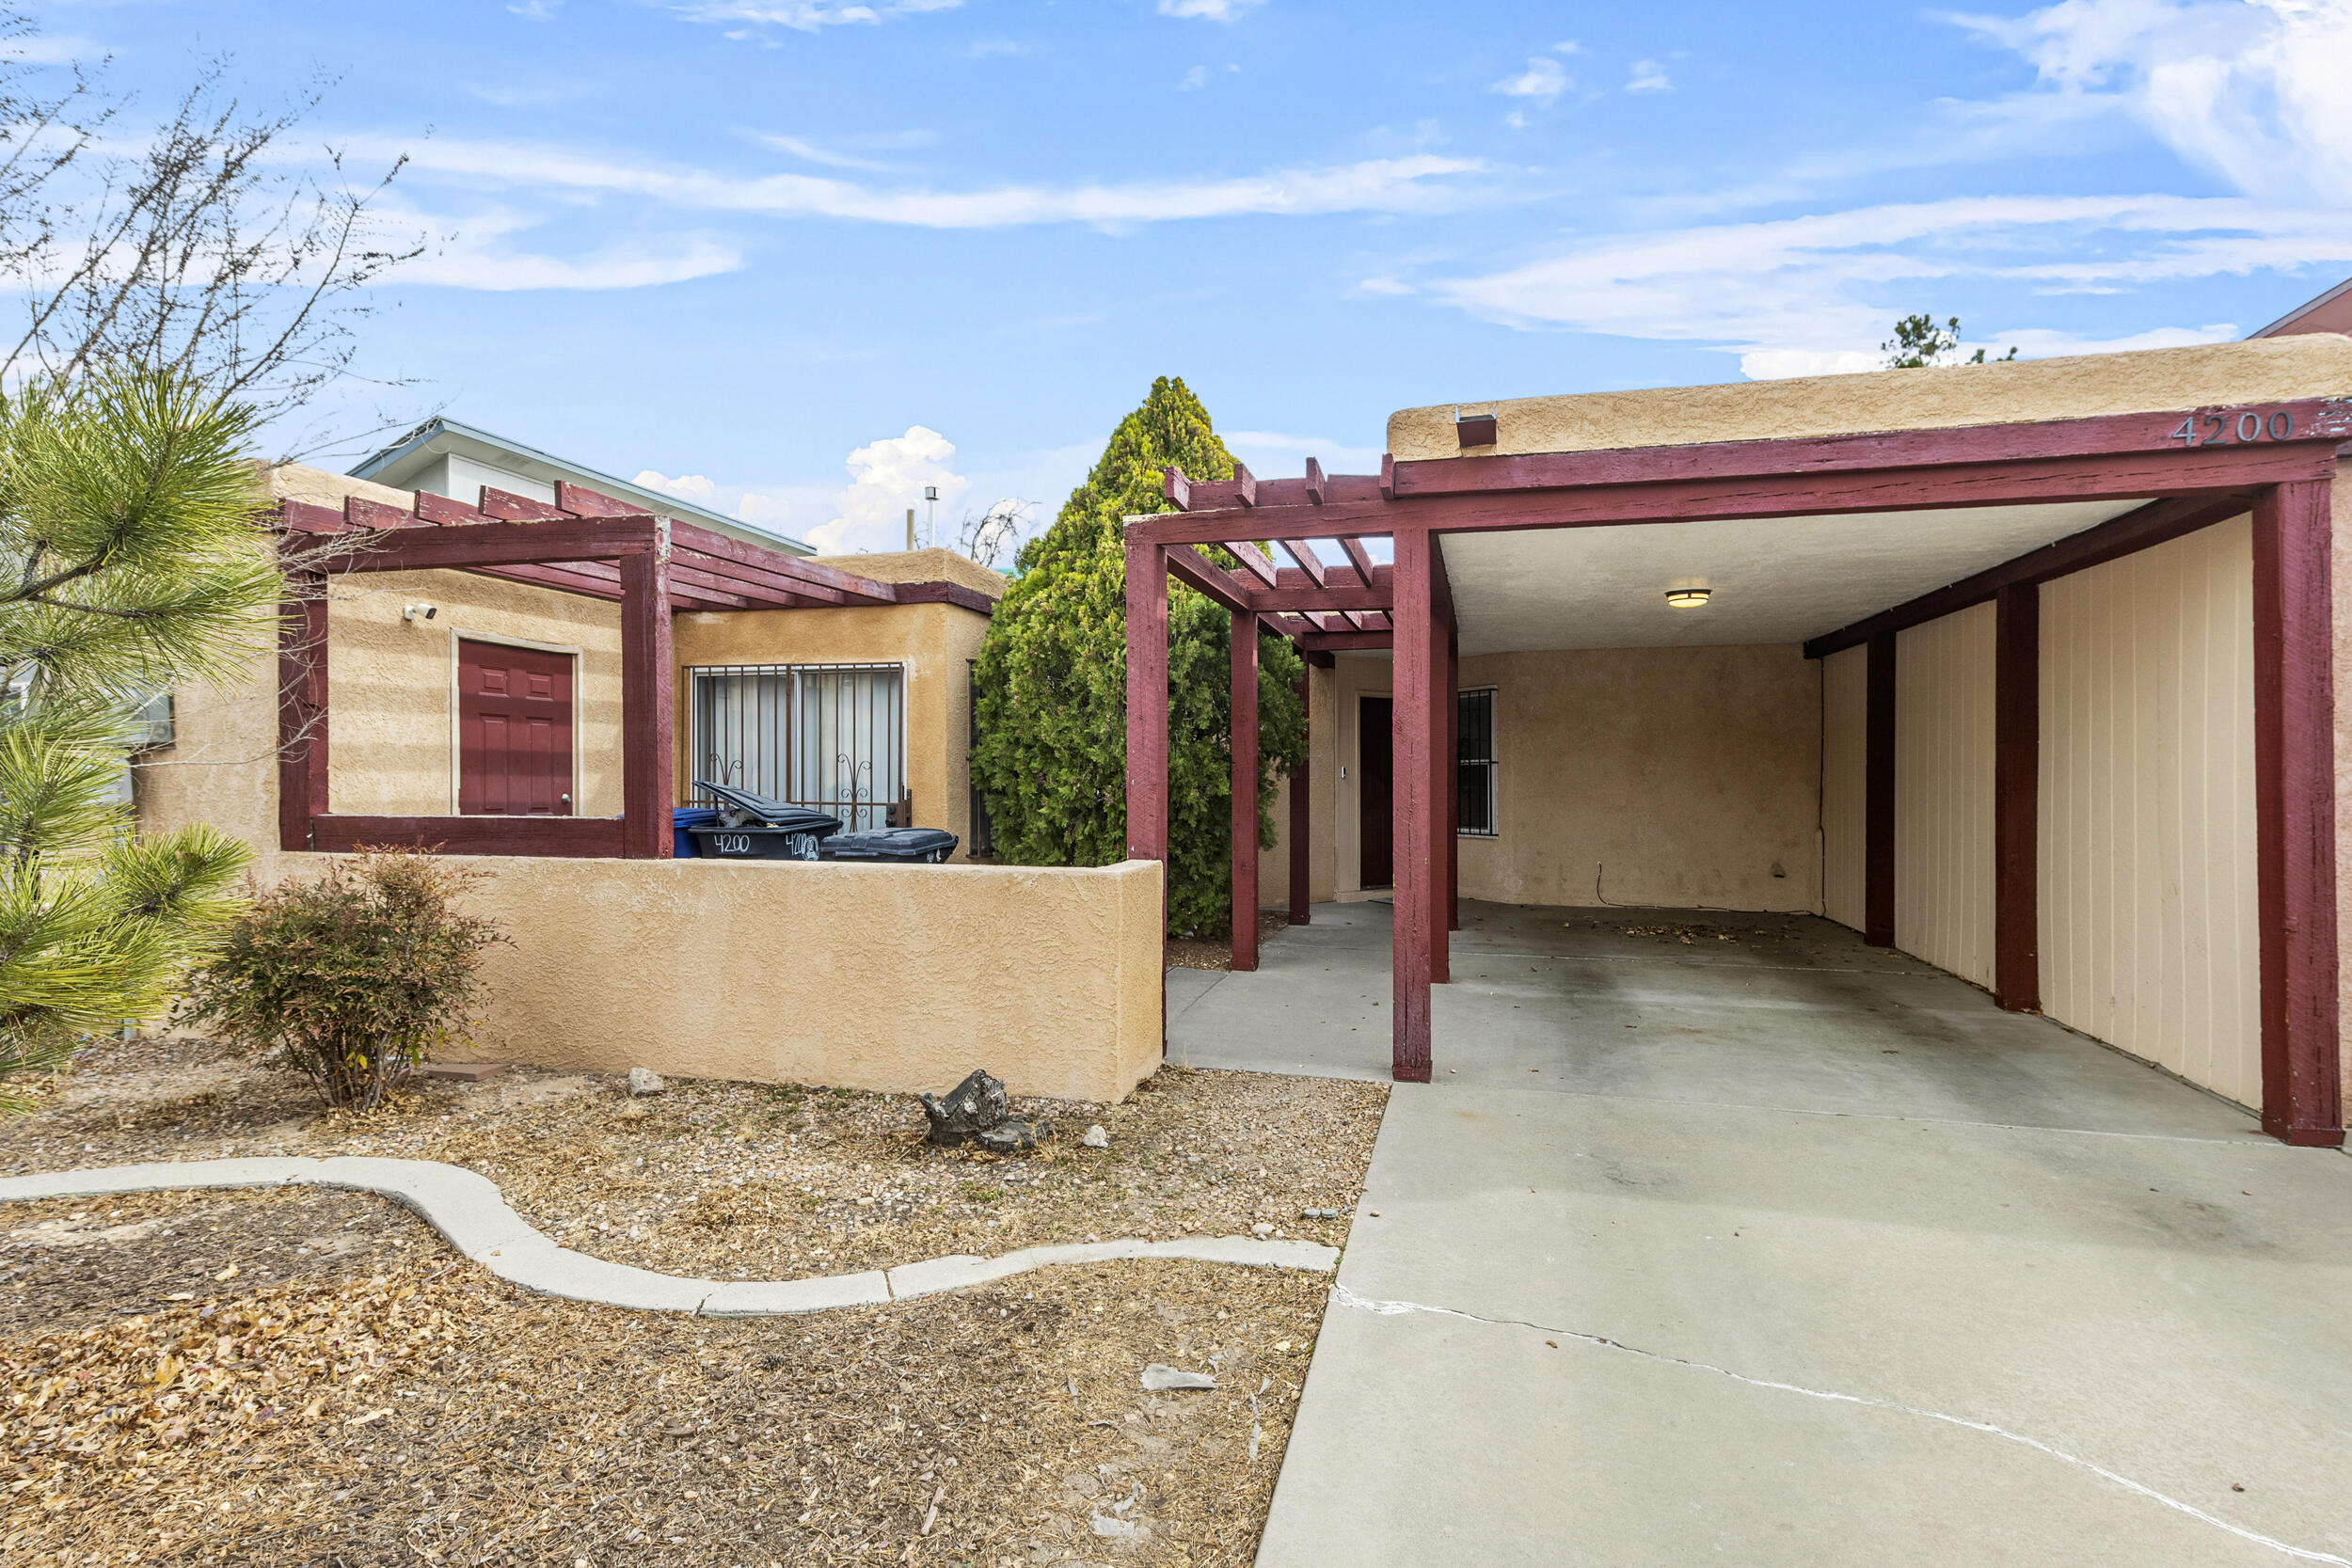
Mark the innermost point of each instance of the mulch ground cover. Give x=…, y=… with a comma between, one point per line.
x=398, y=1405
x=752, y=1181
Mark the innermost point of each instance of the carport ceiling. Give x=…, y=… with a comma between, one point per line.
x=1780, y=579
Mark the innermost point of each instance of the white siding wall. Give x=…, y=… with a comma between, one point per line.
x=2147, y=934
x=1845, y=771
x=1943, y=792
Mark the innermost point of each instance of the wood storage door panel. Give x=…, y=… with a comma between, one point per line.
x=513, y=731
x=1375, y=820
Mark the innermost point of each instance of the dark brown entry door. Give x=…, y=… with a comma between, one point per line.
x=513, y=731
x=1375, y=827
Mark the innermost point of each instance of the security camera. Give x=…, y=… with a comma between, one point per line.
x=420, y=613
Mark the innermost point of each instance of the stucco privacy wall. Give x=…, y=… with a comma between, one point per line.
x=1845, y=786
x=2312, y=365
x=1682, y=776
x=2148, y=924
x=934, y=643
x=891, y=978
x=1944, y=792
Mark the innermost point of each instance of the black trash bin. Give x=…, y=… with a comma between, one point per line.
x=903, y=845
x=753, y=827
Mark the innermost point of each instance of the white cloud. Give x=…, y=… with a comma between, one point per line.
x=1544, y=80
x=536, y=10
x=1379, y=184
x=810, y=153
x=886, y=478
x=1195, y=78
x=806, y=16
x=2254, y=91
x=686, y=488
x=1385, y=287
x=1799, y=293
x=44, y=49
x=1209, y=10
x=1648, y=76
x=474, y=257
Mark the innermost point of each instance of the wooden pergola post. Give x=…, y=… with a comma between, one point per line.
x=1245, y=793
x=2016, y=785
x=1147, y=724
x=647, y=678
x=2295, y=813
x=1452, y=764
x=1415, y=799
x=301, y=708
x=1878, y=795
x=1301, y=825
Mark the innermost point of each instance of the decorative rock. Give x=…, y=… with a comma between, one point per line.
x=643, y=1081
x=1096, y=1138
x=1011, y=1138
x=969, y=1109
x=1261, y=1228
x=1159, y=1378
x=1323, y=1214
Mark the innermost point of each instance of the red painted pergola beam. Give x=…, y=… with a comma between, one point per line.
x=2320, y=422
x=1988, y=483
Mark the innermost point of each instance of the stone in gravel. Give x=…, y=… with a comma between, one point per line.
x=1261, y=1228
x=645, y=1081
x=1159, y=1378
x=1096, y=1138
x=1011, y=1138
x=969, y=1109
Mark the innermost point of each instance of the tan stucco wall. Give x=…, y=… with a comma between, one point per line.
x=891, y=978
x=932, y=566
x=934, y=643
x=1688, y=773
x=1845, y=786
x=392, y=747
x=2313, y=365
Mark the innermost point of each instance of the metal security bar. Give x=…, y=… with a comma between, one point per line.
x=1475, y=765
x=831, y=737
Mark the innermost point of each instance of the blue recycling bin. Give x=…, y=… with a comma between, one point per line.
x=683, y=820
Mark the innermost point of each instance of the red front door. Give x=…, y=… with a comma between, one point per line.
x=513, y=731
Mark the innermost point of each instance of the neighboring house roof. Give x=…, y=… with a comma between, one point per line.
x=399, y=465
x=2330, y=313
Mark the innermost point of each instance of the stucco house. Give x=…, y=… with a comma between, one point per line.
x=2032, y=671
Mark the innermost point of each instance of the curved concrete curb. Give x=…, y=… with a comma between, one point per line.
x=473, y=1216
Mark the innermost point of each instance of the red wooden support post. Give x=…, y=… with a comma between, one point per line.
x=2016, y=782
x=1147, y=702
x=1244, y=778
x=647, y=678
x=1300, y=825
x=1415, y=803
x=301, y=709
x=1878, y=796
x=2295, y=814
x=1453, y=776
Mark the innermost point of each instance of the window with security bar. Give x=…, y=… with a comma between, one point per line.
x=831, y=737
x=1475, y=766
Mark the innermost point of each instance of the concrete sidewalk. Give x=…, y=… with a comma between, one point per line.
x=1577, y=1329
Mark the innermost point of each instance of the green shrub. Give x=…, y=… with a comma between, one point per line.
x=354, y=976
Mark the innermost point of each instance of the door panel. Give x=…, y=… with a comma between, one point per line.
x=1375, y=826
x=513, y=731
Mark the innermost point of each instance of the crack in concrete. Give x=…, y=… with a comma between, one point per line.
x=1343, y=1296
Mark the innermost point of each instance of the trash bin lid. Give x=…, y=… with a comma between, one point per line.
x=774, y=814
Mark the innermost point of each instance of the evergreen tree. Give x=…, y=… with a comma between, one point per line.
x=132, y=556
x=1051, y=751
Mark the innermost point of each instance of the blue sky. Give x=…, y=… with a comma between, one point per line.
x=804, y=256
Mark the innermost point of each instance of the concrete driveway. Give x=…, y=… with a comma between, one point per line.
x=1790, y=1252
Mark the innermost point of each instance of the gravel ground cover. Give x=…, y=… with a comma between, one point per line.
x=398, y=1405
x=749, y=1182
x=1195, y=953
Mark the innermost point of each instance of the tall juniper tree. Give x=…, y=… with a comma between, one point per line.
x=1051, y=751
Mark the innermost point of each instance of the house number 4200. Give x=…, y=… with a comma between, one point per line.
x=2218, y=430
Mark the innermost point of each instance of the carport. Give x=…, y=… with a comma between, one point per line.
x=2071, y=624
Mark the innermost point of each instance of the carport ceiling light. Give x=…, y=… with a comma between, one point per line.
x=1688, y=598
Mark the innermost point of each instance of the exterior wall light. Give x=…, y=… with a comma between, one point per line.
x=1688, y=598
